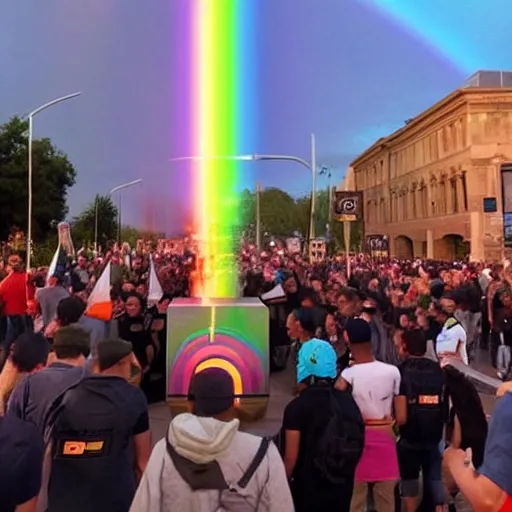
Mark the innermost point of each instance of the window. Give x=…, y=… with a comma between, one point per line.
x=464, y=191
x=453, y=192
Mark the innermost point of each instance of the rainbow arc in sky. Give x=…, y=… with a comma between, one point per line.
x=221, y=82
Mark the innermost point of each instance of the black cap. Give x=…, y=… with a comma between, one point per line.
x=110, y=352
x=358, y=331
x=212, y=391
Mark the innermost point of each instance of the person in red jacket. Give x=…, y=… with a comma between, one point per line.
x=13, y=304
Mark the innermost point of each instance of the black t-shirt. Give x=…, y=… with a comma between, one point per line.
x=309, y=413
x=21, y=462
x=103, y=483
x=135, y=331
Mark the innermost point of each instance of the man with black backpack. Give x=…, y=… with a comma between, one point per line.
x=422, y=385
x=100, y=439
x=205, y=464
x=324, y=434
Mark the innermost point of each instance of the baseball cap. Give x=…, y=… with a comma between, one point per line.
x=212, y=391
x=110, y=351
x=72, y=336
x=317, y=358
x=358, y=331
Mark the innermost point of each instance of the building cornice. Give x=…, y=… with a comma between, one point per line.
x=443, y=108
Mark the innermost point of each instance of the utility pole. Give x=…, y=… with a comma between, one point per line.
x=313, y=191
x=258, y=216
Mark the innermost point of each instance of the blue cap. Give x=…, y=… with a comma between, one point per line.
x=316, y=359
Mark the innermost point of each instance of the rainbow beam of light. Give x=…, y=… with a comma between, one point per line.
x=221, y=82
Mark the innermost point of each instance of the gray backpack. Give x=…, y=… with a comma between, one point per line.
x=209, y=477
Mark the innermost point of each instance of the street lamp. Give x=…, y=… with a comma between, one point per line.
x=311, y=165
x=115, y=189
x=31, y=116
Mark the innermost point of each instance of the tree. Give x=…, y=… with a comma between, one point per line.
x=278, y=212
x=53, y=174
x=83, y=226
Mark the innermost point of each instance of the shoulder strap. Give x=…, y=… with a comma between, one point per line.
x=254, y=465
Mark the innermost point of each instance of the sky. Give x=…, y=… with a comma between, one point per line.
x=349, y=71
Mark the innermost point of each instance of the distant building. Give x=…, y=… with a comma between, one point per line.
x=441, y=186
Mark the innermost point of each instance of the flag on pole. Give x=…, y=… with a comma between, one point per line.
x=155, y=290
x=58, y=264
x=99, y=304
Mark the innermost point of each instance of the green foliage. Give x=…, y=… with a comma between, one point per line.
x=42, y=253
x=53, y=174
x=83, y=226
x=281, y=216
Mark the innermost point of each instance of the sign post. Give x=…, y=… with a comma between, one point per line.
x=347, y=208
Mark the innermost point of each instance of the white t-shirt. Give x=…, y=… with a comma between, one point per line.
x=448, y=340
x=374, y=386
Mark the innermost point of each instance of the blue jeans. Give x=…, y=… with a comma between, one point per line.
x=15, y=326
x=427, y=459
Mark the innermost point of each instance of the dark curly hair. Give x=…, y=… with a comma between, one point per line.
x=468, y=407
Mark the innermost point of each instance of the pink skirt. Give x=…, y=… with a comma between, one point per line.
x=379, y=461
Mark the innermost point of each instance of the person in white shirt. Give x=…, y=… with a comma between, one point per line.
x=451, y=341
x=376, y=389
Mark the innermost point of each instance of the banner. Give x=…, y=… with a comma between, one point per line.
x=293, y=245
x=347, y=206
x=378, y=246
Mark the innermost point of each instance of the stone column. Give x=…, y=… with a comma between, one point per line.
x=430, y=244
x=477, y=237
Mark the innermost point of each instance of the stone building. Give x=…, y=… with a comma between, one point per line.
x=425, y=185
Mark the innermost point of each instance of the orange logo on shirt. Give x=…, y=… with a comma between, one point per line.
x=73, y=448
x=428, y=399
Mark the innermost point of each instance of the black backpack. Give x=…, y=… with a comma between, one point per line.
x=90, y=432
x=209, y=477
x=423, y=385
x=341, y=443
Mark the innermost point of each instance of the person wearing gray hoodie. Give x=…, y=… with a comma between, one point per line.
x=206, y=464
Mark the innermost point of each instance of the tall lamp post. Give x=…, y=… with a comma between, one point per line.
x=115, y=189
x=311, y=165
x=31, y=116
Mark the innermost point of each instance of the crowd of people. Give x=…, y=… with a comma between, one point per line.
x=379, y=398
